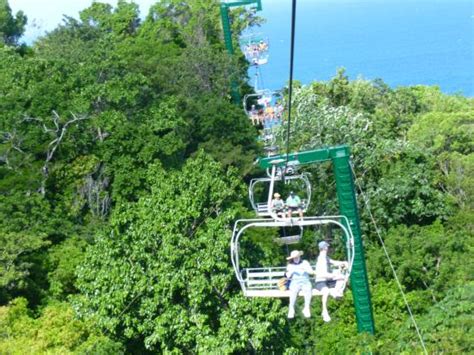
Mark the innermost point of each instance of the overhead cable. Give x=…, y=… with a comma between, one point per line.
x=290, y=87
x=379, y=235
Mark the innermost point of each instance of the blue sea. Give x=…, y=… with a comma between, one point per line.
x=405, y=42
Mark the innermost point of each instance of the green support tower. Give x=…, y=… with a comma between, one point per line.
x=340, y=158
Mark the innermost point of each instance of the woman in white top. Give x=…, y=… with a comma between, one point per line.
x=298, y=272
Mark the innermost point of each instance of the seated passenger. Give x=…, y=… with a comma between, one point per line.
x=254, y=115
x=248, y=51
x=278, y=206
x=261, y=116
x=254, y=118
x=324, y=274
x=298, y=272
x=279, y=110
x=269, y=112
x=293, y=202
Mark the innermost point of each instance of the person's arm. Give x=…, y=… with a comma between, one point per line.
x=307, y=267
x=289, y=271
x=339, y=263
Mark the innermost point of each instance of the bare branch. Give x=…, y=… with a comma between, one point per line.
x=54, y=144
x=102, y=135
x=13, y=142
x=43, y=125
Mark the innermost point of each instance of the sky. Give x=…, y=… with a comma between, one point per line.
x=46, y=15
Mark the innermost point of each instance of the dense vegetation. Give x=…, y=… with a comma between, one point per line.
x=123, y=165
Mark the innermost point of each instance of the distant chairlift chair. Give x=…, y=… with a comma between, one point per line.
x=261, y=207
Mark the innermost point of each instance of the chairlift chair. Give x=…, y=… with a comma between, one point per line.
x=261, y=207
x=260, y=98
x=266, y=106
x=263, y=281
x=255, y=48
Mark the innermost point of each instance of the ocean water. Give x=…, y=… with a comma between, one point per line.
x=404, y=42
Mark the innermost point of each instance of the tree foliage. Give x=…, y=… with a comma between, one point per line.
x=11, y=27
x=55, y=331
x=165, y=271
x=122, y=168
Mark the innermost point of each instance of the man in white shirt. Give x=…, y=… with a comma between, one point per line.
x=298, y=272
x=323, y=274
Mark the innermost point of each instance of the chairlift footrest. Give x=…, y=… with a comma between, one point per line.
x=293, y=239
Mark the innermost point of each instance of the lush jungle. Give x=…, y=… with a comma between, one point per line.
x=124, y=162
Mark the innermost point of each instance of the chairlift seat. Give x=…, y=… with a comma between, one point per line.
x=276, y=293
x=260, y=61
x=263, y=282
x=271, y=148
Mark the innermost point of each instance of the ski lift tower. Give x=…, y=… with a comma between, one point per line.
x=225, y=6
x=340, y=158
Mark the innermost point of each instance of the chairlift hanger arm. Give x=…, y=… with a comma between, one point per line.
x=243, y=3
x=305, y=157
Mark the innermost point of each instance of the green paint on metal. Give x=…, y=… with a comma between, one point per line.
x=340, y=158
x=348, y=207
x=226, y=28
x=234, y=87
x=306, y=157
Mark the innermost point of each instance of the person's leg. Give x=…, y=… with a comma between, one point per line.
x=307, y=293
x=324, y=300
x=290, y=212
x=294, y=289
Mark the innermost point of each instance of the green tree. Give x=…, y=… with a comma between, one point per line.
x=338, y=89
x=162, y=275
x=448, y=326
x=426, y=257
x=11, y=27
x=55, y=331
x=25, y=224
